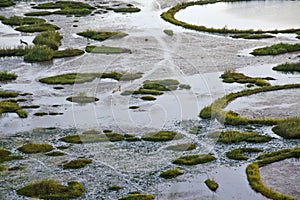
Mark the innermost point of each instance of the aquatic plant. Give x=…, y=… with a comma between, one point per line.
x=288, y=67
x=276, y=49
x=194, y=159
x=171, y=173
x=288, y=128
x=162, y=136
x=38, y=13
x=55, y=153
x=161, y=85
x=182, y=147
x=237, y=154
x=115, y=188
x=12, y=107
x=77, y=164
x=101, y=35
x=52, y=189
x=8, y=94
x=211, y=184
x=33, y=147
x=131, y=138
x=252, y=36
x=39, y=54
x=69, y=52
x=52, y=39
x=5, y=76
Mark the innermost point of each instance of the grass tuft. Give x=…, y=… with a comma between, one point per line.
x=171, y=173
x=6, y=3
x=101, y=35
x=288, y=128
x=162, y=136
x=106, y=49
x=194, y=159
x=77, y=164
x=276, y=49
x=252, y=36
x=288, y=67
x=182, y=147
x=237, y=154
x=211, y=184
x=32, y=147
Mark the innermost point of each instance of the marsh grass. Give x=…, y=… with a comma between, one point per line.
x=238, y=154
x=138, y=197
x=131, y=138
x=69, y=52
x=252, y=36
x=6, y=3
x=106, y=49
x=288, y=67
x=77, y=164
x=162, y=136
x=39, y=54
x=148, y=98
x=211, y=184
x=51, y=189
x=37, y=28
x=18, y=51
x=12, y=107
x=8, y=94
x=288, y=128
x=93, y=137
x=33, y=147
x=38, y=13
x=5, y=155
x=52, y=39
x=276, y=49
x=194, y=159
x=182, y=147
x=5, y=76
x=127, y=10
x=101, y=35
x=55, y=153
x=18, y=21
x=171, y=173
x=161, y=85
x=230, y=76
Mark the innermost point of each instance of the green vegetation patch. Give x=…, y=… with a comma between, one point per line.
x=39, y=54
x=52, y=39
x=18, y=21
x=38, y=13
x=82, y=99
x=6, y=3
x=288, y=67
x=77, y=164
x=33, y=147
x=105, y=49
x=148, y=98
x=238, y=154
x=138, y=197
x=169, y=32
x=161, y=85
x=288, y=128
x=276, y=49
x=37, y=28
x=55, y=153
x=19, y=51
x=5, y=155
x=69, y=52
x=127, y=10
x=194, y=159
x=131, y=138
x=252, y=36
x=230, y=76
x=234, y=137
x=5, y=76
x=171, y=173
x=182, y=147
x=93, y=137
x=101, y=35
x=162, y=136
x=8, y=94
x=51, y=189
x=12, y=107
x=211, y=184
x=115, y=188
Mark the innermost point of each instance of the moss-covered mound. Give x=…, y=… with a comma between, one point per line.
x=171, y=173
x=51, y=189
x=5, y=76
x=211, y=184
x=5, y=155
x=82, y=99
x=6, y=3
x=138, y=197
x=288, y=128
x=162, y=136
x=93, y=137
x=182, y=147
x=32, y=147
x=52, y=39
x=77, y=164
x=276, y=49
x=238, y=154
x=194, y=159
x=252, y=36
x=234, y=137
x=288, y=67
x=101, y=35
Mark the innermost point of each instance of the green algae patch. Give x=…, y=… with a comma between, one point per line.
x=106, y=49
x=194, y=159
x=82, y=99
x=288, y=128
x=5, y=76
x=138, y=197
x=101, y=35
x=93, y=137
x=52, y=189
x=238, y=154
x=7, y=3
x=182, y=147
x=171, y=173
x=5, y=155
x=276, y=49
x=230, y=76
x=55, y=153
x=211, y=184
x=288, y=67
x=37, y=28
x=235, y=137
x=252, y=36
x=77, y=164
x=162, y=136
x=33, y=147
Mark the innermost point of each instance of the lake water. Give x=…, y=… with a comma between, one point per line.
x=266, y=15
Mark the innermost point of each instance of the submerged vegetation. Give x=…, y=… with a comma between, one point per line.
x=101, y=35
x=162, y=136
x=288, y=67
x=288, y=128
x=51, y=189
x=238, y=154
x=194, y=159
x=252, y=36
x=33, y=147
x=211, y=184
x=171, y=173
x=276, y=49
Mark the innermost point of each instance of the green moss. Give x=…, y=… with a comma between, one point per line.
x=5, y=155
x=32, y=147
x=37, y=28
x=138, y=197
x=105, y=49
x=39, y=54
x=126, y=10
x=115, y=188
x=288, y=67
x=237, y=154
x=168, y=32
x=18, y=21
x=38, y=13
x=234, y=137
x=55, y=153
x=252, y=36
x=101, y=35
x=6, y=3
x=51, y=189
x=276, y=49
x=171, y=173
x=182, y=147
x=148, y=98
x=5, y=76
x=194, y=159
x=162, y=136
x=288, y=128
x=230, y=76
x=77, y=164
x=211, y=184
x=12, y=107
x=90, y=138
x=69, y=52
x=82, y=99
x=52, y=39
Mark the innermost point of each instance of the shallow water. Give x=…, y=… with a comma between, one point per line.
x=265, y=15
